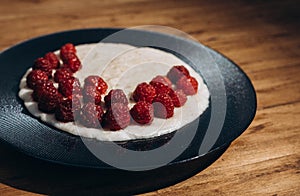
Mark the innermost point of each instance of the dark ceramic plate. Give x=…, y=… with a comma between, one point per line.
x=34, y=138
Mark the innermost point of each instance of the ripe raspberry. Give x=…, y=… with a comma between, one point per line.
x=69, y=86
x=35, y=77
x=162, y=79
x=176, y=72
x=67, y=48
x=189, y=85
x=49, y=100
x=38, y=91
x=163, y=106
x=92, y=115
x=62, y=74
x=71, y=61
x=44, y=65
x=142, y=112
x=98, y=82
x=117, y=117
x=90, y=94
x=160, y=88
x=67, y=110
x=144, y=92
x=178, y=97
x=52, y=58
x=115, y=96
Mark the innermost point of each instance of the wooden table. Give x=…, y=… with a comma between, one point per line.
x=263, y=38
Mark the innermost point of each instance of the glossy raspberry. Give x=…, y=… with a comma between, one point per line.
x=189, y=85
x=92, y=115
x=178, y=97
x=62, y=74
x=142, y=112
x=144, y=92
x=67, y=48
x=35, y=77
x=116, y=117
x=44, y=65
x=98, y=82
x=67, y=110
x=160, y=88
x=49, y=100
x=69, y=86
x=176, y=72
x=115, y=96
x=71, y=61
x=90, y=94
x=52, y=58
x=162, y=79
x=163, y=106
x=38, y=91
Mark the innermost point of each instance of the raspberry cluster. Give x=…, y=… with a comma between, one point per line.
x=158, y=98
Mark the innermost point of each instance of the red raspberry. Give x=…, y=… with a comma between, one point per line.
x=189, y=85
x=92, y=115
x=44, y=65
x=178, y=97
x=90, y=94
x=70, y=86
x=163, y=106
x=160, y=88
x=35, y=77
x=98, y=82
x=52, y=58
x=142, y=112
x=117, y=117
x=162, y=79
x=176, y=72
x=49, y=100
x=67, y=48
x=62, y=74
x=144, y=92
x=71, y=61
x=38, y=91
x=115, y=96
x=67, y=110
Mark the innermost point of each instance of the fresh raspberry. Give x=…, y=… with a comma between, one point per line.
x=38, y=91
x=90, y=94
x=189, y=85
x=69, y=86
x=142, y=112
x=67, y=48
x=115, y=96
x=144, y=92
x=160, y=88
x=98, y=82
x=162, y=79
x=35, y=77
x=71, y=61
x=117, y=117
x=163, y=106
x=52, y=58
x=178, y=97
x=176, y=72
x=67, y=110
x=62, y=74
x=44, y=65
x=92, y=115
x=49, y=100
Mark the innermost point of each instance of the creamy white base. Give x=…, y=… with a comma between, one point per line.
x=124, y=66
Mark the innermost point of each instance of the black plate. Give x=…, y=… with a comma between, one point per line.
x=32, y=137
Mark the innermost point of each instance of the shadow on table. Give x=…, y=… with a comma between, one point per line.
x=26, y=173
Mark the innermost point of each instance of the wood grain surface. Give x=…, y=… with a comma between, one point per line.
x=262, y=37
